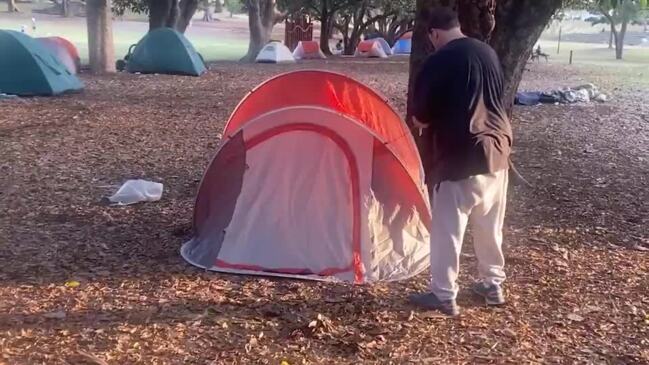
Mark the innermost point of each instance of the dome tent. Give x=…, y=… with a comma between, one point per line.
x=369, y=48
x=64, y=50
x=275, y=52
x=165, y=51
x=384, y=45
x=27, y=68
x=403, y=45
x=322, y=183
x=308, y=50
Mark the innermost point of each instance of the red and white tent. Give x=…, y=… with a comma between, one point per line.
x=308, y=50
x=64, y=51
x=317, y=177
x=370, y=48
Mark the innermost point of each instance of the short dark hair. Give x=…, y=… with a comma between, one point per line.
x=441, y=17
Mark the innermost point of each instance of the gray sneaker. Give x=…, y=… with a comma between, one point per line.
x=492, y=294
x=430, y=301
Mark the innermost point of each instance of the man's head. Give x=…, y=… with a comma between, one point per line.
x=443, y=26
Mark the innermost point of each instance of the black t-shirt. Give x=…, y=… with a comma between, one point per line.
x=459, y=95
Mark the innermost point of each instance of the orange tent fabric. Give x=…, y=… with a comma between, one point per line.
x=338, y=92
x=366, y=46
x=310, y=46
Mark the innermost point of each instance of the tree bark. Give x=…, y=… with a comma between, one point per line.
x=159, y=11
x=262, y=16
x=100, y=36
x=610, y=38
x=619, y=40
x=173, y=15
x=325, y=28
x=207, y=10
x=65, y=8
x=187, y=10
x=11, y=6
x=519, y=24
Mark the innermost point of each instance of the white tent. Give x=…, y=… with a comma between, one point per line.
x=323, y=182
x=275, y=52
x=308, y=50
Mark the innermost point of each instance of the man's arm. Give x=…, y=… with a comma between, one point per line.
x=426, y=95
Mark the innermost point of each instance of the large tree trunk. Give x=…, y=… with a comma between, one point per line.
x=187, y=10
x=11, y=6
x=100, y=36
x=519, y=24
x=611, y=37
x=325, y=27
x=262, y=16
x=159, y=11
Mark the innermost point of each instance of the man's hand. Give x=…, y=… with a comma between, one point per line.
x=419, y=125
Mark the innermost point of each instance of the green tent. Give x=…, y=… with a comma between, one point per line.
x=165, y=51
x=27, y=68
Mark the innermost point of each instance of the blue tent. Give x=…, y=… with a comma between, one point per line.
x=402, y=46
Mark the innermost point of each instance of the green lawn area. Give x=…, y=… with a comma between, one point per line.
x=597, y=58
x=212, y=46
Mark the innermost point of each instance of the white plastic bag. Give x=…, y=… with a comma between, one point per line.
x=135, y=191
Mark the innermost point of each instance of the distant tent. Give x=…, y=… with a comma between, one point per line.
x=165, y=51
x=370, y=48
x=384, y=44
x=275, y=52
x=64, y=50
x=308, y=50
x=27, y=68
x=402, y=46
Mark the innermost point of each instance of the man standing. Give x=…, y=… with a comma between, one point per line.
x=458, y=105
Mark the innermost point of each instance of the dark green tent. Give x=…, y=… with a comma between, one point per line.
x=27, y=68
x=165, y=51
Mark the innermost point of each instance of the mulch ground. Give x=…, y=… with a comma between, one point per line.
x=577, y=242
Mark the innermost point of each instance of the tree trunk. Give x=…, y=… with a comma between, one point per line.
x=619, y=41
x=207, y=10
x=65, y=8
x=325, y=28
x=100, y=36
x=262, y=17
x=519, y=24
x=11, y=6
x=187, y=10
x=173, y=15
x=159, y=11
x=610, y=38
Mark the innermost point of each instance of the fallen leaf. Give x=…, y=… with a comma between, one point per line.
x=575, y=317
x=72, y=284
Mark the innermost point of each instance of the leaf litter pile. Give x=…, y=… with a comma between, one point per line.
x=86, y=283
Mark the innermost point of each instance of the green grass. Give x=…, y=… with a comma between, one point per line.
x=633, y=68
x=125, y=34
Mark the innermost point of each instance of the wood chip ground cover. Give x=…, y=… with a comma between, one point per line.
x=578, y=287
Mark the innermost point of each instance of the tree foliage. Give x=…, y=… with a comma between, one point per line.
x=352, y=18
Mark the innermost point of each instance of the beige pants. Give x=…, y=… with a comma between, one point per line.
x=479, y=200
